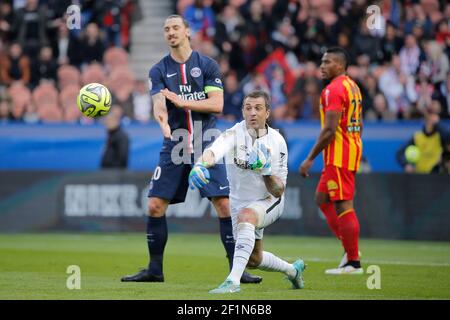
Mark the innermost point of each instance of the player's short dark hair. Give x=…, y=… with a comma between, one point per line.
x=174, y=16
x=342, y=53
x=259, y=94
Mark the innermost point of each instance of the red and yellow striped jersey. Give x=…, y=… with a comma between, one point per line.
x=345, y=150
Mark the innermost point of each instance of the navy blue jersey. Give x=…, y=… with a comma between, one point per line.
x=191, y=80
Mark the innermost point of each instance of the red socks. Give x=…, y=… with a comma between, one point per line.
x=332, y=219
x=349, y=232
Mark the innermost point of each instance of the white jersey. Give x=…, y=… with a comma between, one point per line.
x=235, y=145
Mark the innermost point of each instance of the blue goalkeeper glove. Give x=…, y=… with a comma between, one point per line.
x=199, y=176
x=259, y=160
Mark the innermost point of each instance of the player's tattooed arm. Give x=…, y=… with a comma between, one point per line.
x=160, y=111
x=274, y=185
x=213, y=104
x=326, y=136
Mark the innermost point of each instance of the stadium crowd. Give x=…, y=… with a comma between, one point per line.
x=401, y=65
x=43, y=64
x=400, y=61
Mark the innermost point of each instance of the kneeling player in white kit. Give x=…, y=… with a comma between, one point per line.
x=256, y=161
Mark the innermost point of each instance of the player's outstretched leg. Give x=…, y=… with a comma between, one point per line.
x=222, y=206
x=156, y=242
x=294, y=272
x=245, y=242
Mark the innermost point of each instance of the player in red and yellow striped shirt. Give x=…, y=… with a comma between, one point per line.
x=340, y=141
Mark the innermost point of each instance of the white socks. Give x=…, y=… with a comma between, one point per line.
x=245, y=242
x=270, y=262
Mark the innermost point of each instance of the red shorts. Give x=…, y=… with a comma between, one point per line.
x=338, y=183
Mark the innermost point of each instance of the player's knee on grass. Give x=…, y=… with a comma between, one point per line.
x=156, y=207
x=247, y=215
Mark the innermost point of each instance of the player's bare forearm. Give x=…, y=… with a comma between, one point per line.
x=207, y=159
x=274, y=185
x=161, y=115
x=326, y=134
x=213, y=104
x=325, y=137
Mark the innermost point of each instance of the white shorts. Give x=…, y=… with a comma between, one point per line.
x=267, y=210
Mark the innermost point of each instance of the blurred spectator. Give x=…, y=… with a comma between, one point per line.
x=68, y=48
x=44, y=68
x=15, y=66
x=367, y=44
x=416, y=17
x=391, y=43
x=7, y=18
x=410, y=56
x=380, y=110
x=92, y=45
x=31, y=28
x=257, y=81
x=142, y=106
x=5, y=108
x=424, y=90
x=233, y=97
x=443, y=32
x=398, y=88
x=115, y=154
x=55, y=11
x=109, y=19
x=310, y=101
x=369, y=88
x=229, y=27
x=130, y=13
x=429, y=141
x=277, y=93
x=284, y=36
x=436, y=66
x=244, y=56
x=201, y=18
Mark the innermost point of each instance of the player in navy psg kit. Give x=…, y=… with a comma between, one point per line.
x=186, y=88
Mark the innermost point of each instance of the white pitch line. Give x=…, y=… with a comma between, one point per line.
x=401, y=263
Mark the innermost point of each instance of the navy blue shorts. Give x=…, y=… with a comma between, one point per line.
x=170, y=181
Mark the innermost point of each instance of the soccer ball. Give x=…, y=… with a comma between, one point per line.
x=412, y=154
x=94, y=100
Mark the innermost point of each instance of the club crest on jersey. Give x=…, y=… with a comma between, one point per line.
x=332, y=185
x=196, y=72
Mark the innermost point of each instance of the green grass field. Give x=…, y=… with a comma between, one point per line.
x=33, y=266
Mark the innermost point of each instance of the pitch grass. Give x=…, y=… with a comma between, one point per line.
x=33, y=266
